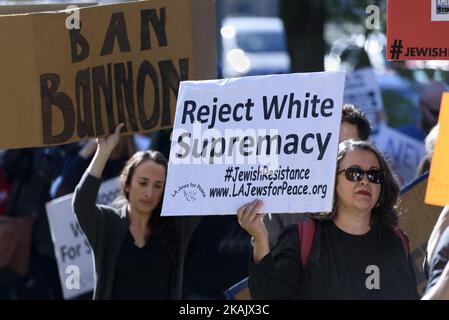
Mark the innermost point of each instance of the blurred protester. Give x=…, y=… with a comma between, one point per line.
x=429, y=107
x=30, y=171
x=439, y=228
x=75, y=164
x=438, y=284
x=440, y=291
x=429, y=142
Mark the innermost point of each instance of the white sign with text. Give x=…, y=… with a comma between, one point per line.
x=273, y=138
x=404, y=153
x=362, y=90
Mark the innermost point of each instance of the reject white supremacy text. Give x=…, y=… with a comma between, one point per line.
x=213, y=144
x=249, y=145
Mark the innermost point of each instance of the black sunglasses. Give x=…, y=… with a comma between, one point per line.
x=355, y=173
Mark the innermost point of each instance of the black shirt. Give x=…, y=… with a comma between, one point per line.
x=336, y=268
x=142, y=273
x=362, y=257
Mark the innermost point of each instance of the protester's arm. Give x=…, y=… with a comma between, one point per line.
x=273, y=275
x=84, y=199
x=440, y=291
x=277, y=275
x=84, y=206
x=104, y=150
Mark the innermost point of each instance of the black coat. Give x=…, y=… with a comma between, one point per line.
x=280, y=275
x=106, y=229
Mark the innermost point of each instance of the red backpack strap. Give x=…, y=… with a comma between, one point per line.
x=404, y=239
x=306, y=230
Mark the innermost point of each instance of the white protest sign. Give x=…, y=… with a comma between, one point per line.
x=362, y=90
x=273, y=138
x=404, y=153
x=73, y=253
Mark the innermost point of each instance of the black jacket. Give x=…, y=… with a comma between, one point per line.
x=106, y=229
x=280, y=275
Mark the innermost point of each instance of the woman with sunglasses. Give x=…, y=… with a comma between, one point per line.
x=355, y=254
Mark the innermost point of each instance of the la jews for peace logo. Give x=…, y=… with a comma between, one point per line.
x=190, y=191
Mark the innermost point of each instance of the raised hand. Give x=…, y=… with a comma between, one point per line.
x=106, y=145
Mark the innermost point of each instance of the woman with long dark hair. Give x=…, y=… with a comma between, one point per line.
x=138, y=254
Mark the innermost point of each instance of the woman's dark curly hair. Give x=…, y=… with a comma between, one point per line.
x=162, y=229
x=385, y=212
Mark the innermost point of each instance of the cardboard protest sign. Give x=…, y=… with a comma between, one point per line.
x=404, y=153
x=438, y=187
x=15, y=7
x=362, y=90
x=72, y=250
x=269, y=137
x=72, y=75
x=417, y=220
x=416, y=30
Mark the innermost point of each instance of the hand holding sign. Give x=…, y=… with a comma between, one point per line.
x=251, y=220
x=105, y=146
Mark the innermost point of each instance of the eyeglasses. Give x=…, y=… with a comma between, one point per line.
x=355, y=173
